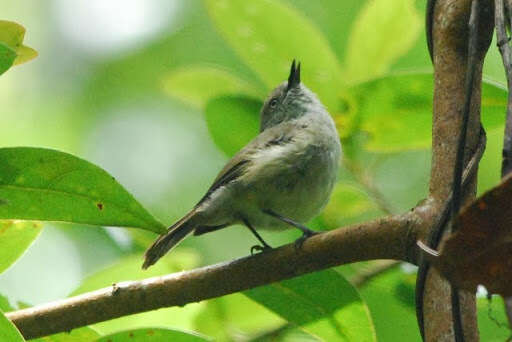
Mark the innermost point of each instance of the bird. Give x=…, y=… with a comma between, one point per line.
x=282, y=178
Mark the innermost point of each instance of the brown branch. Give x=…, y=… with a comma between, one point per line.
x=449, y=44
x=387, y=238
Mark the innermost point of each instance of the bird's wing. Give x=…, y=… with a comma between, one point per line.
x=277, y=135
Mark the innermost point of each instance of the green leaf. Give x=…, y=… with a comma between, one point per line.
x=348, y=204
x=390, y=298
x=43, y=184
x=76, y=335
x=232, y=122
x=267, y=35
x=12, y=34
x=15, y=237
x=322, y=303
x=8, y=331
x=7, y=57
x=492, y=320
x=396, y=111
x=383, y=31
x=5, y=306
x=225, y=318
x=153, y=334
x=196, y=85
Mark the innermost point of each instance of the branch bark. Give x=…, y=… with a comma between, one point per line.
x=449, y=44
x=387, y=238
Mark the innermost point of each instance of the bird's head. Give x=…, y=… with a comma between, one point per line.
x=290, y=100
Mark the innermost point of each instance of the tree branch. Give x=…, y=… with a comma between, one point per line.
x=449, y=19
x=387, y=238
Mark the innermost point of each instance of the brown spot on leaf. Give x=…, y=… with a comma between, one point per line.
x=150, y=332
x=99, y=205
x=130, y=335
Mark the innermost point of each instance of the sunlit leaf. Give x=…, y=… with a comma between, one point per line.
x=7, y=57
x=153, y=334
x=8, y=331
x=322, y=303
x=82, y=334
x=383, y=31
x=396, y=111
x=232, y=122
x=43, y=184
x=15, y=237
x=25, y=54
x=267, y=35
x=12, y=34
x=196, y=85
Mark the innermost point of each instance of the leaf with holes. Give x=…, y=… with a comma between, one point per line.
x=15, y=237
x=322, y=303
x=196, y=85
x=480, y=250
x=267, y=35
x=47, y=185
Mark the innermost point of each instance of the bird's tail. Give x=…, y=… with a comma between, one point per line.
x=165, y=242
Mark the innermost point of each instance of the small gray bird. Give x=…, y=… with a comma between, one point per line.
x=282, y=178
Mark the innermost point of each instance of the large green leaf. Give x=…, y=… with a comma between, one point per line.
x=322, y=303
x=76, y=335
x=153, y=335
x=196, y=85
x=8, y=331
x=232, y=122
x=43, y=184
x=396, y=111
x=383, y=31
x=15, y=237
x=267, y=35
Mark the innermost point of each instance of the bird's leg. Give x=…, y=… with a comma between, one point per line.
x=265, y=246
x=306, y=232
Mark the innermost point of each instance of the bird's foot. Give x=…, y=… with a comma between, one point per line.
x=307, y=234
x=259, y=248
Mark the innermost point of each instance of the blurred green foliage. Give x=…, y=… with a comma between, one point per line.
x=163, y=113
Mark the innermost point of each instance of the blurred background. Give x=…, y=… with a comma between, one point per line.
x=160, y=93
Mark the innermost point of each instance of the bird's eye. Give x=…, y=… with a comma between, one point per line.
x=273, y=103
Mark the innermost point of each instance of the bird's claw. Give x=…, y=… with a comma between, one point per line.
x=307, y=234
x=258, y=248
